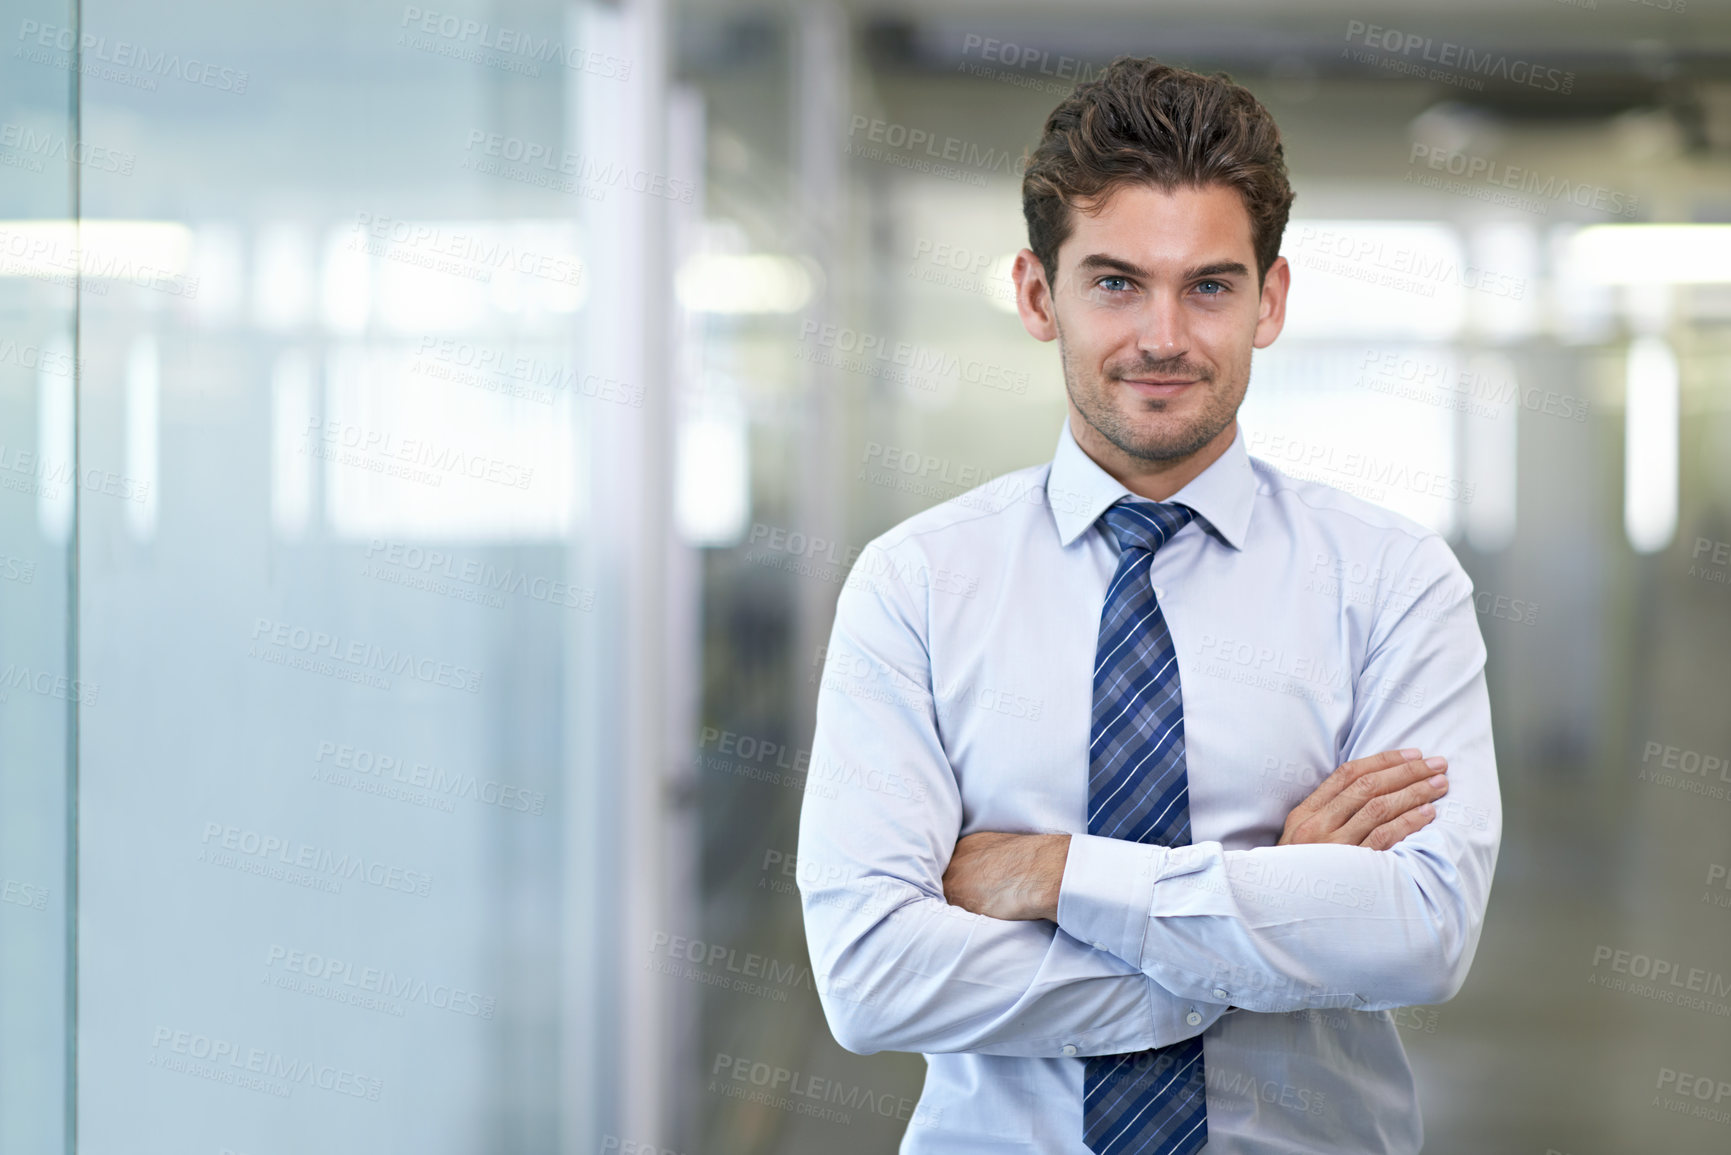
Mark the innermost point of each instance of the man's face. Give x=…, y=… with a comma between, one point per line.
x=1156, y=309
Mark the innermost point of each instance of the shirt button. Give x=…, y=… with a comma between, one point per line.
x=1069, y=1048
x=1220, y=993
x=1099, y=946
x=1193, y=1018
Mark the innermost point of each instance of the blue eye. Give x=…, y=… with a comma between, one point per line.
x=1218, y=288
x=1106, y=282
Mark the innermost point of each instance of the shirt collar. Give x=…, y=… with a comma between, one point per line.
x=1079, y=491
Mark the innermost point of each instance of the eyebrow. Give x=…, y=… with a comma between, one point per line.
x=1104, y=262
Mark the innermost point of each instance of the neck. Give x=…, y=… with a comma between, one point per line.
x=1155, y=480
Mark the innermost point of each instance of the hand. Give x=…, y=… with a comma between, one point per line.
x=1011, y=876
x=1374, y=801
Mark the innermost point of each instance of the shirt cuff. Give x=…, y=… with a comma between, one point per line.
x=1107, y=893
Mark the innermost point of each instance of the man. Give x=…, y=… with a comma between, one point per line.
x=1068, y=722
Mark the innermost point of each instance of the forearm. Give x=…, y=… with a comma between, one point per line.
x=1288, y=927
x=1281, y=928
x=899, y=969
x=896, y=966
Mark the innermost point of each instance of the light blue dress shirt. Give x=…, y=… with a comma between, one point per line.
x=1311, y=628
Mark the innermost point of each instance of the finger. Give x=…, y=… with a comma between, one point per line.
x=1350, y=772
x=1385, y=808
x=1359, y=794
x=1391, y=833
x=1398, y=777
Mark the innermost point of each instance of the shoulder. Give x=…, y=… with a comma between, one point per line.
x=1346, y=530
x=956, y=546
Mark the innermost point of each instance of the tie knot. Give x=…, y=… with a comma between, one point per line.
x=1145, y=524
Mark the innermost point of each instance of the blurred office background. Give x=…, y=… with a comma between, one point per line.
x=432, y=439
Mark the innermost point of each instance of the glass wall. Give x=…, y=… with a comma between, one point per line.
x=435, y=436
x=351, y=443
x=42, y=691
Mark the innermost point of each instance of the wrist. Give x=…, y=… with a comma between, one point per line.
x=1050, y=856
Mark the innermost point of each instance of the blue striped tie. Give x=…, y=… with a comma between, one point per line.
x=1150, y=1102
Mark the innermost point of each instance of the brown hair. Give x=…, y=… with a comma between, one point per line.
x=1143, y=122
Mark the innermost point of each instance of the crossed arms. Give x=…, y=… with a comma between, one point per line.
x=1373, y=802
x=1048, y=945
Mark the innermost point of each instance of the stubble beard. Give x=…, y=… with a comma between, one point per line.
x=1091, y=398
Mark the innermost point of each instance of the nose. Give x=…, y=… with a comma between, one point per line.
x=1161, y=331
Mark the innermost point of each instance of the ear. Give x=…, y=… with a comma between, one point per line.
x=1034, y=297
x=1271, y=317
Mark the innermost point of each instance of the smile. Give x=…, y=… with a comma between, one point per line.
x=1158, y=386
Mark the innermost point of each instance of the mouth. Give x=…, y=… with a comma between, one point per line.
x=1159, y=386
